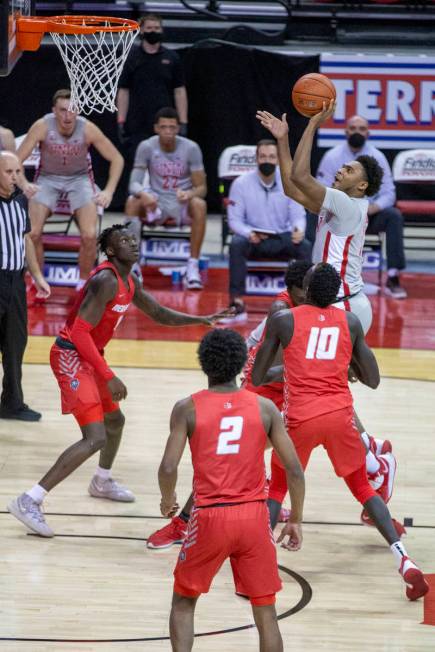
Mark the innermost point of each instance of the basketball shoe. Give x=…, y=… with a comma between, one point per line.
x=383, y=480
x=416, y=585
x=29, y=512
x=174, y=532
x=111, y=490
x=379, y=446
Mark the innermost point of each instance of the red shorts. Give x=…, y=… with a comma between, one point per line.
x=83, y=393
x=239, y=532
x=337, y=433
x=273, y=391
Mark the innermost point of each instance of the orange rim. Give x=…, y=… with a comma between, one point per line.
x=31, y=29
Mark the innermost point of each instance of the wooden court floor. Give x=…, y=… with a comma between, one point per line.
x=96, y=587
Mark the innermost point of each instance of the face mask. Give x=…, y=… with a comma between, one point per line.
x=267, y=169
x=152, y=37
x=356, y=140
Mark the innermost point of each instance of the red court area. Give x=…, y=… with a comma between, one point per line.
x=407, y=324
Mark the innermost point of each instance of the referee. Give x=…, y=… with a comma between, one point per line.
x=15, y=247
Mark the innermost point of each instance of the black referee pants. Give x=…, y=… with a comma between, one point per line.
x=13, y=337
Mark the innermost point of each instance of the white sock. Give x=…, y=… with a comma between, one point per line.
x=37, y=493
x=398, y=550
x=103, y=474
x=393, y=272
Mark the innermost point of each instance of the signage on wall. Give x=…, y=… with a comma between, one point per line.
x=395, y=94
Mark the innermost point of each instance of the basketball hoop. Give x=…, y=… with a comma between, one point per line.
x=93, y=49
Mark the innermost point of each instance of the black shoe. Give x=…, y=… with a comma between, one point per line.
x=394, y=289
x=24, y=414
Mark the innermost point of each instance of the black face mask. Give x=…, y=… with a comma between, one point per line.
x=356, y=140
x=152, y=37
x=267, y=169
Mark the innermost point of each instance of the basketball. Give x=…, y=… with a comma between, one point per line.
x=309, y=93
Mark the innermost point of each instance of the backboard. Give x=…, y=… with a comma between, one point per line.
x=10, y=10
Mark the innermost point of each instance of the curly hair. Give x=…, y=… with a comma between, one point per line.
x=222, y=354
x=374, y=173
x=323, y=286
x=106, y=235
x=295, y=274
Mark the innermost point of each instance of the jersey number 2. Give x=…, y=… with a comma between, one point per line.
x=230, y=431
x=322, y=343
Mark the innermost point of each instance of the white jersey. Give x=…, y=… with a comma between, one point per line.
x=340, y=238
x=62, y=155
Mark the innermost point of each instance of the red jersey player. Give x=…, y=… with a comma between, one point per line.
x=228, y=429
x=319, y=342
x=89, y=388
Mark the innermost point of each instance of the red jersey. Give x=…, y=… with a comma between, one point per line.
x=274, y=390
x=316, y=364
x=227, y=448
x=113, y=312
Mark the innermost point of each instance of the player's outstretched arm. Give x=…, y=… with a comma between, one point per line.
x=364, y=364
x=182, y=413
x=96, y=138
x=291, y=535
x=150, y=307
x=35, y=135
x=279, y=130
x=279, y=331
x=301, y=172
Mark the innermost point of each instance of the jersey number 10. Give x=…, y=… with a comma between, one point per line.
x=322, y=343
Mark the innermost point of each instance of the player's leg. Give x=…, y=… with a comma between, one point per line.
x=174, y=532
x=27, y=507
x=380, y=515
x=87, y=222
x=268, y=630
x=181, y=622
x=102, y=484
x=195, y=214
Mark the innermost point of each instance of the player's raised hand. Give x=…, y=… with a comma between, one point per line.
x=278, y=128
x=117, y=389
x=327, y=111
x=169, y=508
x=294, y=533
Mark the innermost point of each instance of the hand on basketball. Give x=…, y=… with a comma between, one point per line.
x=170, y=507
x=278, y=128
x=325, y=113
x=117, y=389
x=103, y=198
x=294, y=533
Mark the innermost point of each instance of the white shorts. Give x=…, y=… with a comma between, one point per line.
x=361, y=307
x=80, y=190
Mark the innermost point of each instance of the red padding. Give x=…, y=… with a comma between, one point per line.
x=429, y=601
x=414, y=206
x=56, y=242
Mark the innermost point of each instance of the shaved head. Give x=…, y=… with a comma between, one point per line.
x=357, y=120
x=8, y=157
x=10, y=168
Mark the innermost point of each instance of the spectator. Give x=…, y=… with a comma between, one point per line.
x=152, y=78
x=15, y=246
x=265, y=223
x=176, y=190
x=383, y=216
x=64, y=140
x=7, y=140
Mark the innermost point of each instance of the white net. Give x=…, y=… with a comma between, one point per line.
x=94, y=64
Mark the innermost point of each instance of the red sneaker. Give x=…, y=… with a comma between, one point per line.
x=174, y=532
x=366, y=520
x=383, y=480
x=379, y=446
x=417, y=586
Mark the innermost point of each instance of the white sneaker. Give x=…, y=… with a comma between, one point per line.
x=111, y=490
x=193, y=279
x=29, y=512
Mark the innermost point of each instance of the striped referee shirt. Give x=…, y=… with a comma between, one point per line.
x=14, y=224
